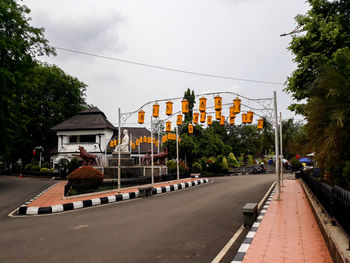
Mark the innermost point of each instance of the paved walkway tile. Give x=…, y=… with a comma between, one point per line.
x=54, y=196
x=288, y=232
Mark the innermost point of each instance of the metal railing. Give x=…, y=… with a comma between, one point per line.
x=334, y=199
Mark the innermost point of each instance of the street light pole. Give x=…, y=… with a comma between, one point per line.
x=277, y=148
x=281, y=149
x=177, y=153
x=119, y=116
x=152, y=165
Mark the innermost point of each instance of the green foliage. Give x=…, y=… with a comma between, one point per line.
x=45, y=170
x=73, y=164
x=251, y=160
x=232, y=161
x=296, y=165
x=85, y=178
x=35, y=168
x=196, y=167
x=224, y=163
x=344, y=179
x=28, y=167
x=191, y=101
x=34, y=96
x=171, y=165
x=46, y=165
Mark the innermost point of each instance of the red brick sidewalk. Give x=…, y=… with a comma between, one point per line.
x=54, y=196
x=288, y=231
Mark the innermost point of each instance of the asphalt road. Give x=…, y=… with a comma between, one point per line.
x=191, y=225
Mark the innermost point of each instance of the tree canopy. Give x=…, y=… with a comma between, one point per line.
x=34, y=96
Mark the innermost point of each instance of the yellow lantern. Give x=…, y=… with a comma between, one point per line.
x=140, y=139
x=137, y=142
x=163, y=139
x=169, y=108
x=156, y=143
x=190, y=128
x=222, y=120
x=203, y=115
x=155, y=110
x=232, y=112
x=237, y=105
x=149, y=140
x=250, y=115
x=133, y=145
x=154, y=140
x=168, y=126
x=209, y=120
x=112, y=143
x=185, y=106
x=179, y=119
x=141, y=118
x=130, y=142
x=218, y=115
x=232, y=120
x=169, y=136
x=260, y=124
x=244, y=117
x=202, y=104
x=144, y=139
x=195, y=117
x=218, y=103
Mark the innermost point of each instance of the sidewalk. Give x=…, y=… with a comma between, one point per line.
x=288, y=232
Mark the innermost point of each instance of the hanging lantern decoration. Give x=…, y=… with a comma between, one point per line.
x=137, y=142
x=232, y=112
x=232, y=120
x=260, y=124
x=244, y=118
x=113, y=143
x=169, y=108
x=168, y=126
x=185, y=106
x=218, y=103
x=237, y=105
x=154, y=140
x=209, y=120
x=141, y=118
x=144, y=139
x=149, y=140
x=218, y=115
x=130, y=142
x=203, y=116
x=133, y=145
x=140, y=139
x=174, y=136
x=222, y=120
x=195, y=117
x=179, y=119
x=190, y=128
x=156, y=143
x=163, y=139
x=202, y=104
x=250, y=116
x=169, y=136
x=156, y=110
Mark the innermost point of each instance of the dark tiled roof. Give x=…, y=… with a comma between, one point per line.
x=91, y=118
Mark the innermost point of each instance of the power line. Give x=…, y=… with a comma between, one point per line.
x=166, y=68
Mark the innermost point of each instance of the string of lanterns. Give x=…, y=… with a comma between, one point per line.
x=201, y=116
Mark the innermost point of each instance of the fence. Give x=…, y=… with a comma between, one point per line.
x=335, y=200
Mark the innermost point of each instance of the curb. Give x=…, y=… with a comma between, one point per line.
x=26, y=210
x=242, y=250
x=335, y=238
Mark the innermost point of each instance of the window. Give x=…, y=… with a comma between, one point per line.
x=73, y=139
x=87, y=138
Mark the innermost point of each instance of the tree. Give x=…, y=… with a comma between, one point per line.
x=290, y=130
x=326, y=28
x=20, y=43
x=191, y=101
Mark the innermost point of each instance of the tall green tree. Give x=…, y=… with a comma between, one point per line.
x=20, y=43
x=326, y=28
x=189, y=95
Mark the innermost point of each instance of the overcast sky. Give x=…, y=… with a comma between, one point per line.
x=235, y=38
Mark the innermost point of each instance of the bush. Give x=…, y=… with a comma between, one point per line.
x=35, y=168
x=196, y=167
x=73, y=164
x=296, y=165
x=232, y=161
x=28, y=167
x=46, y=165
x=85, y=178
x=45, y=170
x=203, y=162
x=171, y=165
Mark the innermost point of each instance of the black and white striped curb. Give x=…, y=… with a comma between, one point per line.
x=249, y=237
x=28, y=210
x=43, y=192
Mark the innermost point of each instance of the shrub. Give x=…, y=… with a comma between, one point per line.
x=196, y=167
x=46, y=165
x=224, y=164
x=296, y=165
x=203, y=162
x=232, y=161
x=28, y=167
x=45, y=170
x=73, y=164
x=183, y=167
x=85, y=178
x=171, y=165
x=35, y=168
